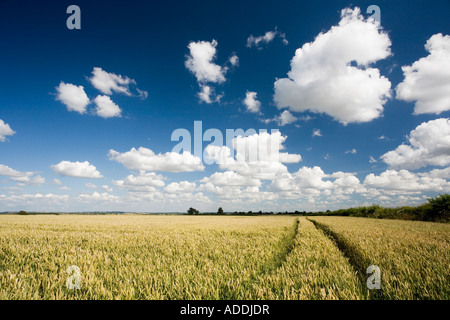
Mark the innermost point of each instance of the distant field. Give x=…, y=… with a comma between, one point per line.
x=223, y=257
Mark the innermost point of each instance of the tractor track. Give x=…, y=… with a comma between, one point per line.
x=356, y=258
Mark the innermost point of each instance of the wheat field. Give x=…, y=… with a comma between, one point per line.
x=220, y=257
x=414, y=256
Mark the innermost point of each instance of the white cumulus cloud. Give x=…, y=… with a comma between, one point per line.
x=96, y=196
x=429, y=145
x=332, y=74
x=427, y=81
x=256, y=155
x=313, y=182
x=234, y=60
x=283, y=119
x=14, y=174
x=404, y=180
x=5, y=130
x=200, y=62
x=208, y=94
x=181, y=187
x=76, y=169
x=37, y=180
x=286, y=118
x=144, y=179
x=107, y=83
x=106, y=108
x=311, y=178
x=251, y=102
x=230, y=178
x=146, y=160
x=73, y=97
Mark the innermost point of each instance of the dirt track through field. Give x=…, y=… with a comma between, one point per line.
x=352, y=253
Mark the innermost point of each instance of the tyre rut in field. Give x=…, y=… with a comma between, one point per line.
x=286, y=245
x=356, y=258
x=284, y=248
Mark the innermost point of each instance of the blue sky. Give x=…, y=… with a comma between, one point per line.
x=74, y=104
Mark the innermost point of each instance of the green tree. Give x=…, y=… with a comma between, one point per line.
x=440, y=207
x=192, y=211
x=220, y=211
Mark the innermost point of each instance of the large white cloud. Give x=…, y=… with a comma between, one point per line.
x=73, y=97
x=5, y=130
x=324, y=80
x=429, y=145
x=200, y=62
x=146, y=160
x=311, y=178
x=346, y=183
x=256, y=155
x=76, y=169
x=313, y=182
x=106, y=108
x=404, y=180
x=427, y=81
x=107, y=83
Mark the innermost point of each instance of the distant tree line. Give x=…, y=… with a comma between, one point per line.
x=33, y=213
x=436, y=209
x=25, y=213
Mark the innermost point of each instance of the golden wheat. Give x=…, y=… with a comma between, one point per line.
x=218, y=257
x=413, y=256
x=135, y=256
x=314, y=269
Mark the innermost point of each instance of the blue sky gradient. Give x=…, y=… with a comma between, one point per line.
x=148, y=41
